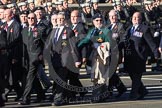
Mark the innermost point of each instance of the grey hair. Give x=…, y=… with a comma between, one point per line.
x=62, y=13
x=113, y=10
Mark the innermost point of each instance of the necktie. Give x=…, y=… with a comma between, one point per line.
x=132, y=30
x=110, y=27
x=113, y=25
x=6, y=27
x=56, y=35
x=72, y=26
x=29, y=31
x=93, y=32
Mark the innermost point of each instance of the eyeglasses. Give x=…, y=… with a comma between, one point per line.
x=98, y=20
x=31, y=18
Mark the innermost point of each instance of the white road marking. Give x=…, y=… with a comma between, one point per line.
x=152, y=79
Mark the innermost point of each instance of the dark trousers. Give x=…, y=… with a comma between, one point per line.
x=135, y=66
x=137, y=85
x=31, y=81
x=74, y=80
x=4, y=70
x=116, y=82
x=63, y=75
x=16, y=78
x=23, y=78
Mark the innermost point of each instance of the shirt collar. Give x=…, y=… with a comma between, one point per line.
x=74, y=26
x=135, y=26
x=60, y=26
x=3, y=20
x=10, y=22
x=31, y=27
x=113, y=25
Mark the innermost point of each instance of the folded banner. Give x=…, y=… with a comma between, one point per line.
x=43, y=78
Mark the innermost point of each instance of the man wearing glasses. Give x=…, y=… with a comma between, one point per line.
x=98, y=39
x=32, y=40
x=116, y=56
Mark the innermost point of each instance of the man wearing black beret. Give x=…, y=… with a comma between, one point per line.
x=96, y=39
x=41, y=21
x=23, y=18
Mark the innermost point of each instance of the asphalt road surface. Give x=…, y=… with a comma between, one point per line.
x=152, y=100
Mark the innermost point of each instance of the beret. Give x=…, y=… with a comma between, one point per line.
x=97, y=15
x=116, y=3
x=38, y=8
x=24, y=12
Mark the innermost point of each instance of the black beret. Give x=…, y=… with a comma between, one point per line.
x=24, y=12
x=38, y=8
x=97, y=15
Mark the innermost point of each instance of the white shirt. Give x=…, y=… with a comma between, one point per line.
x=74, y=25
x=60, y=31
x=38, y=20
x=31, y=27
x=10, y=22
x=113, y=25
x=135, y=26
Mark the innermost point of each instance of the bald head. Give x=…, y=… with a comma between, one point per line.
x=136, y=18
x=8, y=15
x=76, y=12
x=75, y=17
x=113, y=16
x=112, y=12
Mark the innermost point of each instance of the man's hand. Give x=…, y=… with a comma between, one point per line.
x=77, y=64
x=14, y=61
x=40, y=57
x=84, y=60
x=160, y=49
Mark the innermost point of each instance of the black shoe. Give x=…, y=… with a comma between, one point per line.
x=51, y=98
x=60, y=103
x=24, y=103
x=82, y=94
x=121, y=93
x=2, y=104
x=4, y=97
x=143, y=95
x=59, y=99
x=38, y=101
x=18, y=98
x=134, y=97
x=111, y=93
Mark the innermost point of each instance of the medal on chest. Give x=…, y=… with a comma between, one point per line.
x=64, y=37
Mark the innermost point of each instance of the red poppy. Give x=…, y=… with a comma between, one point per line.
x=34, y=29
x=102, y=46
x=11, y=30
x=65, y=32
